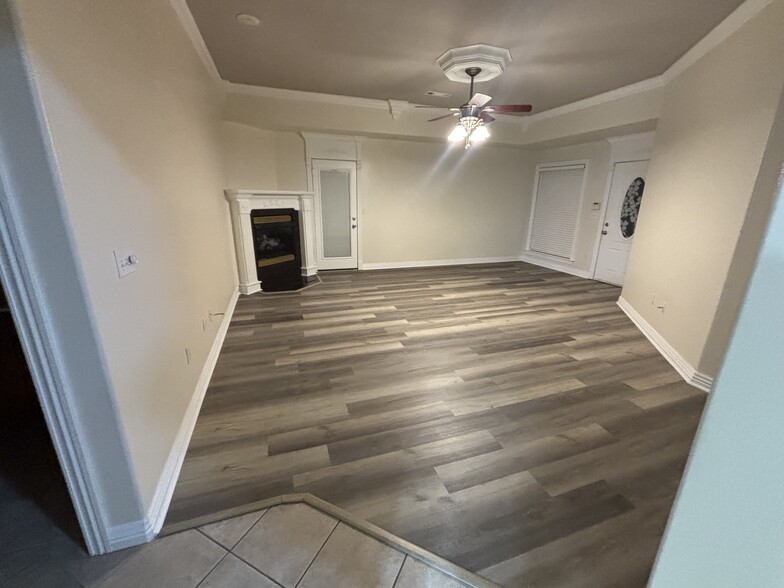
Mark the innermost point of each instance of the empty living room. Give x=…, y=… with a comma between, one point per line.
x=400, y=294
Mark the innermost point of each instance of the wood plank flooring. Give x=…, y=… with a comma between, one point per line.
x=506, y=417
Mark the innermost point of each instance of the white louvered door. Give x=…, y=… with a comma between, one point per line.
x=556, y=211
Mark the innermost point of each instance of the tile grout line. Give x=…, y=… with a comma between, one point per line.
x=337, y=524
x=231, y=551
x=225, y=555
x=266, y=510
x=400, y=571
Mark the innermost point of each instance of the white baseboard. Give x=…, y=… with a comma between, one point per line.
x=684, y=368
x=554, y=265
x=435, y=262
x=138, y=532
x=128, y=535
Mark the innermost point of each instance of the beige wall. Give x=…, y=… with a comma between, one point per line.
x=709, y=143
x=419, y=201
x=49, y=294
x=634, y=113
x=257, y=158
x=737, y=451
x=597, y=156
x=429, y=201
x=134, y=121
x=248, y=157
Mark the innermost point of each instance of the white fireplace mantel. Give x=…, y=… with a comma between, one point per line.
x=242, y=202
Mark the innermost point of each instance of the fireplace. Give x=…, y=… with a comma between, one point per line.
x=274, y=239
x=276, y=245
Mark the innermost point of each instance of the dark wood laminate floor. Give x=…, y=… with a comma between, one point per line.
x=507, y=417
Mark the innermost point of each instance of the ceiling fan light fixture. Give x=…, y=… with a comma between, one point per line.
x=480, y=133
x=458, y=133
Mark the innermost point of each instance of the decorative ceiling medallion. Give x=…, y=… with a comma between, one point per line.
x=491, y=60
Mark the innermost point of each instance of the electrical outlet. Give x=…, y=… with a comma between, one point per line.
x=188, y=355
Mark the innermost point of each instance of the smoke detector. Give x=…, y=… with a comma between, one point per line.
x=492, y=62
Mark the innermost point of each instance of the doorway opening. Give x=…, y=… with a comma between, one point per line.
x=34, y=496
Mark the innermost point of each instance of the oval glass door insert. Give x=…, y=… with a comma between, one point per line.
x=631, y=207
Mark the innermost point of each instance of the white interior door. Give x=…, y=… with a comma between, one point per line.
x=620, y=218
x=335, y=187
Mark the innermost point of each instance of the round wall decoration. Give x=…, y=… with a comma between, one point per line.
x=631, y=207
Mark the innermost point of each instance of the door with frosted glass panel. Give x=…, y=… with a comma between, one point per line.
x=334, y=184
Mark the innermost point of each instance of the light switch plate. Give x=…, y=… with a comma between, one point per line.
x=126, y=260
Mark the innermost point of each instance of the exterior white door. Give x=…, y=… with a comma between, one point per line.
x=620, y=218
x=335, y=188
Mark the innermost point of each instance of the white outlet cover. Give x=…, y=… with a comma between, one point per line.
x=126, y=261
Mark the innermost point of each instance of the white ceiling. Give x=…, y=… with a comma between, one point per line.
x=562, y=50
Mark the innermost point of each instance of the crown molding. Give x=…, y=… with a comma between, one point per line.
x=192, y=30
x=336, y=99
x=725, y=29
x=634, y=137
x=618, y=93
x=730, y=25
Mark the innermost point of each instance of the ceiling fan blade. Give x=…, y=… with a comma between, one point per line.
x=509, y=108
x=479, y=99
x=445, y=116
x=452, y=108
x=486, y=118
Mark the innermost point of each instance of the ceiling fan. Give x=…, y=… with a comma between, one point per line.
x=476, y=114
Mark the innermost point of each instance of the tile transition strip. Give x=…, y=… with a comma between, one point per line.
x=431, y=559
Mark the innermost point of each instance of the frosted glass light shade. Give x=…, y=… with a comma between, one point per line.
x=458, y=133
x=480, y=133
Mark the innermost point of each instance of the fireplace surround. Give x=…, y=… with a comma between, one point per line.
x=258, y=257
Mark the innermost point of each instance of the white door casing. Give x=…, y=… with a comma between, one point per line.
x=335, y=188
x=614, y=248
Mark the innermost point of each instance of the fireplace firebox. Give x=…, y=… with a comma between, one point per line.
x=277, y=247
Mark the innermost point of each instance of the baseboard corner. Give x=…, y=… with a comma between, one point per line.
x=688, y=372
x=541, y=262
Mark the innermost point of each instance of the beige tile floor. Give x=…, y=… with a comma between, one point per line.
x=290, y=545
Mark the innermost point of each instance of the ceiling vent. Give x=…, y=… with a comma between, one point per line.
x=491, y=60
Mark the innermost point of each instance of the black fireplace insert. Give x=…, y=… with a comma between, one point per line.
x=277, y=246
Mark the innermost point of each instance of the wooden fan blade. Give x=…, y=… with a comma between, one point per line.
x=486, y=118
x=509, y=108
x=479, y=99
x=445, y=116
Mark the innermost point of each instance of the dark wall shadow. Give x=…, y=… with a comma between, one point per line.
x=29, y=468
